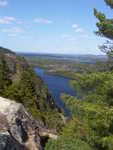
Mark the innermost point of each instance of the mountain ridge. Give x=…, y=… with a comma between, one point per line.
x=24, y=86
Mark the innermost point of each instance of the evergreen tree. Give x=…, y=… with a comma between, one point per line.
x=5, y=80
x=105, y=29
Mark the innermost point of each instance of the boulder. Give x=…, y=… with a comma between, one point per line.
x=18, y=130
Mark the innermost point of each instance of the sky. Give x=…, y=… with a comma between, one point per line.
x=51, y=26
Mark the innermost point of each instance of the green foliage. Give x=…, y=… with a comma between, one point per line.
x=105, y=28
x=69, y=68
x=92, y=115
x=67, y=143
x=4, y=75
x=20, y=83
x=95, y=86
x=109, y=3
x=23, y=91
x=91, y=122
x=53, y=120
x=31, y=92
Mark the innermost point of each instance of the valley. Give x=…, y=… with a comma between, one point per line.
x=67, y=65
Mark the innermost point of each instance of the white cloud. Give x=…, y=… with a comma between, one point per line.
x=77, y=29
x=7, y=20
x=3, y=2
x=13, y=30
x=74, y=26
x=42, y=21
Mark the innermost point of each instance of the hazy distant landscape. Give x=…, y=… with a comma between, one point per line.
x=56, y=75
x=68, y=57
x=67, y=65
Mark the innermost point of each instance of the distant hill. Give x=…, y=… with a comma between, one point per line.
x=5, y=50
x=62, y=57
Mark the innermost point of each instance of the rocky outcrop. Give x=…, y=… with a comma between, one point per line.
x=18, y=130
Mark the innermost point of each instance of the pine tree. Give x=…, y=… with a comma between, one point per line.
x=105, y=29
x=4, y=75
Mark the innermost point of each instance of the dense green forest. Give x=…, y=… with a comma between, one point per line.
x=20, y=83
x=91, y=125
x=92, y=116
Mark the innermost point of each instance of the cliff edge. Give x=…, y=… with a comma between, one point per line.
x=18, y=130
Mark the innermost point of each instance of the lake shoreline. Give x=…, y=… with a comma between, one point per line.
x=60, y=74
x=57, y=85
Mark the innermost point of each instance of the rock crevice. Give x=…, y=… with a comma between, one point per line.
x=18, y=130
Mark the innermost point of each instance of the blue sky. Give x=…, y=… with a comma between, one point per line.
x=50, y=26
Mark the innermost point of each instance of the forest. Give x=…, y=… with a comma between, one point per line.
x=90, y=124
x=19, y=82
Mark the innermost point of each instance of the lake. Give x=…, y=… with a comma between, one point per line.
x=56, y=85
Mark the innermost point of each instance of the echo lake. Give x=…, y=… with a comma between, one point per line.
x=57, y=85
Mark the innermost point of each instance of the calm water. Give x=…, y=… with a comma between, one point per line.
x=56, y=85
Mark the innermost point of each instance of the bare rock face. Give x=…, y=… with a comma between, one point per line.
x=18, y=130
